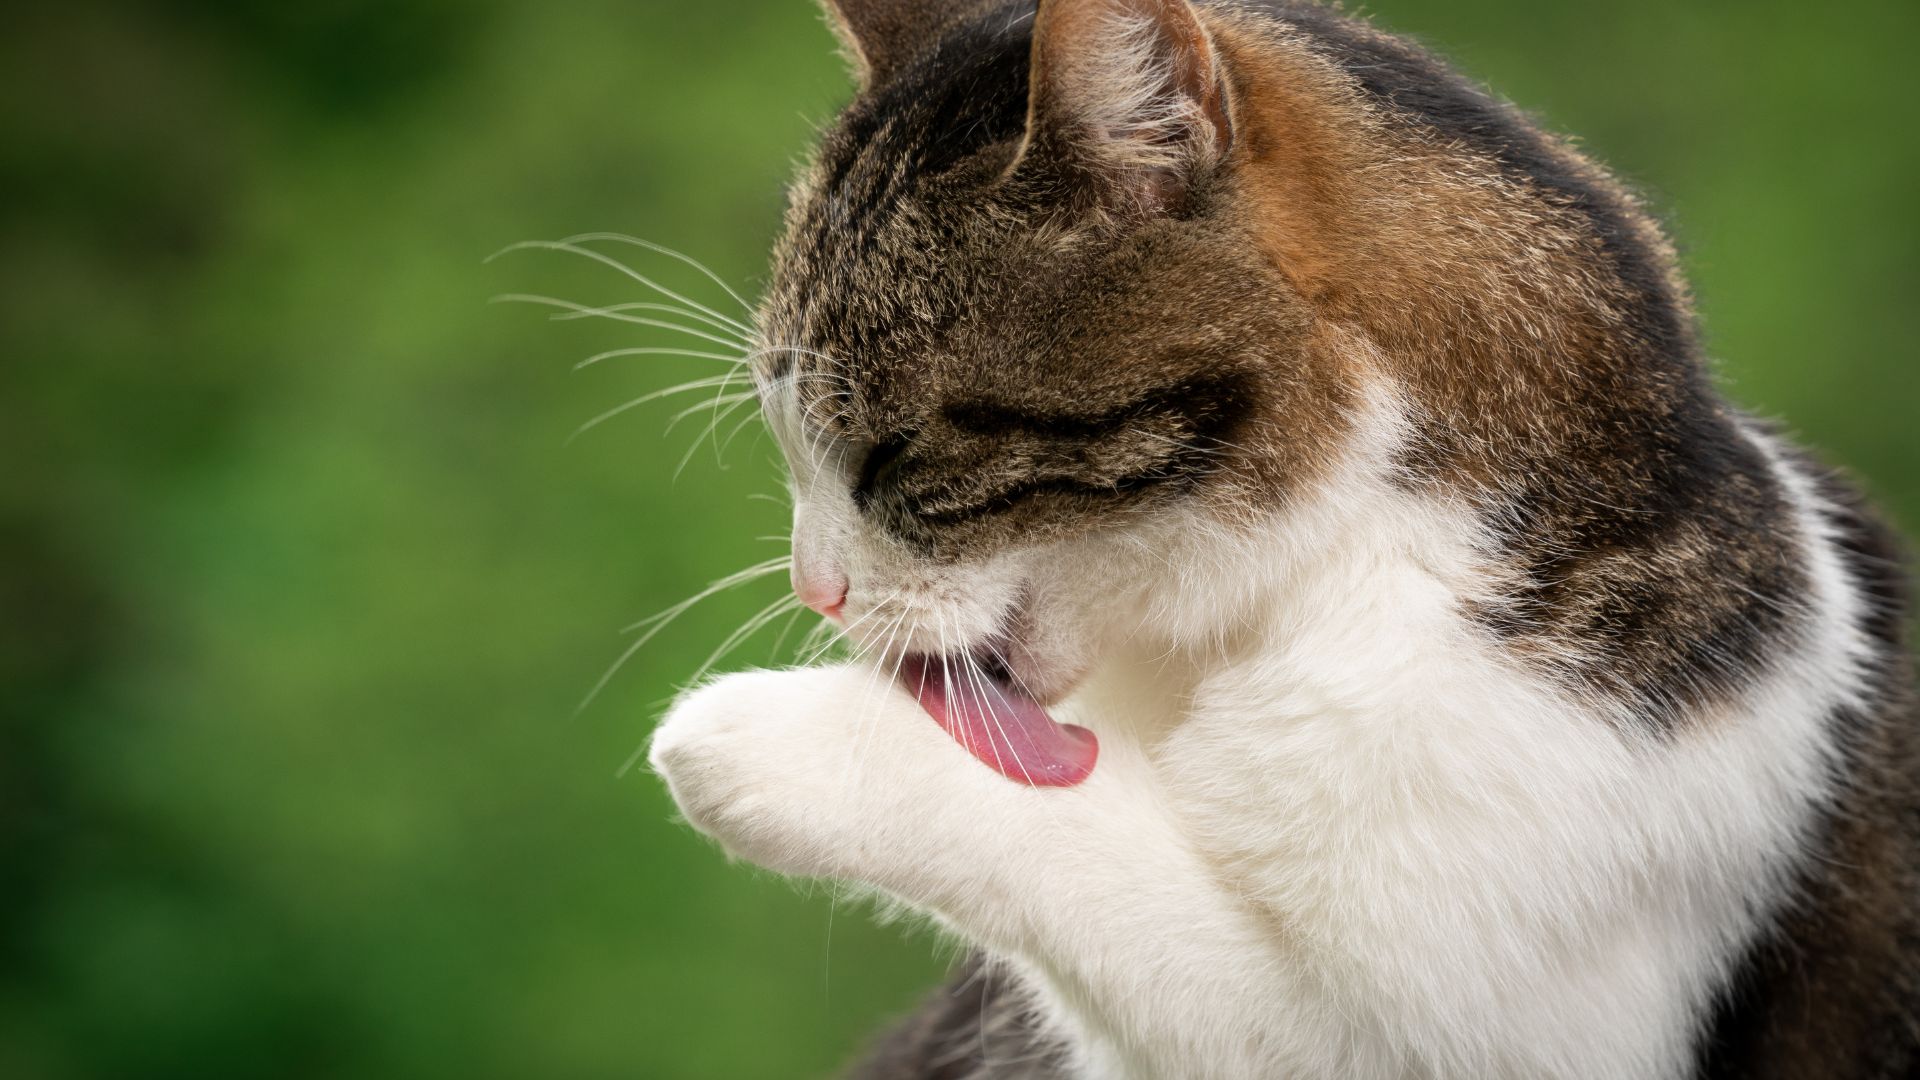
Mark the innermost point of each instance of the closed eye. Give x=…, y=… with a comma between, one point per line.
x=1198, y=403
x=1003, y=501
x=882, y=461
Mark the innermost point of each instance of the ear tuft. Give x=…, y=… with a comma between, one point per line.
x=881, y=35
x=1130, y=93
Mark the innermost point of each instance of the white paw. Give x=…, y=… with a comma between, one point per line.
x=775, y=765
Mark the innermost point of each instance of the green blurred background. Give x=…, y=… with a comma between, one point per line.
x=301, y=578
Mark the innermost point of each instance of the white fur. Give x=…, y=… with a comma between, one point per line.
x=1333, y=832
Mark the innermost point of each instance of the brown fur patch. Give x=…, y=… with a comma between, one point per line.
x=1535, y=316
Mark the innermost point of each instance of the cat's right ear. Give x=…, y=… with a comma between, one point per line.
x=880, y=35
x=1127, y=96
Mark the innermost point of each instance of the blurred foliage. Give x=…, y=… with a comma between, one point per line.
x=302, y=578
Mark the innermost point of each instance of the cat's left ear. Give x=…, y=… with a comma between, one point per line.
x=880, y=35
x=1130, y=95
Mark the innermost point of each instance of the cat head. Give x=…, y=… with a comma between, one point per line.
x=1016, y=316
x=1065, y=289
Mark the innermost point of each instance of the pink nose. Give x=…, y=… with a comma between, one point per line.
x=825, y=593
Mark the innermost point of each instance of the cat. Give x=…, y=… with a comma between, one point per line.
x=1320, y=619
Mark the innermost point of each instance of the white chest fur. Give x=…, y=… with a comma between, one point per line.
x=1460, y=869
x=1343, y=839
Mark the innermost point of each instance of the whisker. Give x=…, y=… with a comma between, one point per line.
x=979, y=680
x=730, y=401
x=662, y=249
x=840, y=634
x=787, y=629
x=946, y=689
x=738, y=577
x=661, y=620
x=746, y=630
x=656, y=395
x=994, y=716
x=733, y=399
x=818, y=641
x=610, y=261
x=745, y=421
x=632, y=760
x=585, y=311
x=867, y=717
x=613, y=353
x=614, y=309
x=720, y=415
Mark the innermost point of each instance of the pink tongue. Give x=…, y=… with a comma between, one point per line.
x=1001, y=726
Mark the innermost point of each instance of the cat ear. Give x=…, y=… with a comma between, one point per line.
x=879, y=35
x=1130, y=94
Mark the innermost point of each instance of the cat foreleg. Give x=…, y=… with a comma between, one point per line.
x=837, y=773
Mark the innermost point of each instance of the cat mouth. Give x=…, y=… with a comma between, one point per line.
x=979, y=701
